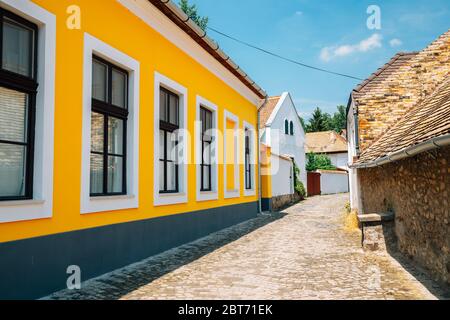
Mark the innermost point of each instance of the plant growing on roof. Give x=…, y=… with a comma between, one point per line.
x=192, y=12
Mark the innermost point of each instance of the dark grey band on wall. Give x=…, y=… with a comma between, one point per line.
x=266, y=204
x=34, y=268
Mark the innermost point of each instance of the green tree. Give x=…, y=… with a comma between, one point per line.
x=302, y=121
x=322, y=121
x=317, y=162
x=192, y=12
x=319, y=122
x=339, y=121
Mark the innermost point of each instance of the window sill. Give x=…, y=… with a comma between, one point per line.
x=249, y=192
x=109, y=203
x=166, y=199
x=23, y=210
x=18, y=203
x=207, y=196
x=230, y=194
x=107, y=198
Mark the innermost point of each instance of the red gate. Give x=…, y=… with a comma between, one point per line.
x=314, y=188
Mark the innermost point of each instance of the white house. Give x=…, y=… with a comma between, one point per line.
x=282, y=131
x=331, y=144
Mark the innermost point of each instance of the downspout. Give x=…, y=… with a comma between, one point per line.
x=259, y=156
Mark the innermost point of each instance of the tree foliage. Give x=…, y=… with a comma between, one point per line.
x=192, y=12
x=318, y=162
x=322, y=121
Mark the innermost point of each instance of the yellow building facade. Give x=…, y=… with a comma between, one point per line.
x=138, y=137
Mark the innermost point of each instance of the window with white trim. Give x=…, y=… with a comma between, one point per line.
x=231, y=156
x=110, y=148
x=168, y=141
x=170, y=117
x=18, y=87
x=206, y=150
x=249, y=159
x=27, y=95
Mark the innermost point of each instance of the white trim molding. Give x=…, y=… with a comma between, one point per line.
x=41, y=206
x=154, y=18
x=214, y=193
x=236, y=193
x=182, y=196
x=253, y=161
x=94, y=46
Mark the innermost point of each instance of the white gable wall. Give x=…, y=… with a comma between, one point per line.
x=283, y=144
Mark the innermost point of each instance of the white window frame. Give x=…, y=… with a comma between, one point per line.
x=41, y=206
x=229, y=194
x=182, y=195
x=214, y=193
x=251, y=129
x=94, y=46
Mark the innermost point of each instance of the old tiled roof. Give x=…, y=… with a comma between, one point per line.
x=267, y=110
x=406, y=81
x=325, y=142
x=429, y=119
x=374, y=82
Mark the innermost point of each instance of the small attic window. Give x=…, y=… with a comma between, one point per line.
x=286, y=126
x=291, y=128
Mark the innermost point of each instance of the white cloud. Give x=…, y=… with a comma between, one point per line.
x=395, y=43
x=373, y=42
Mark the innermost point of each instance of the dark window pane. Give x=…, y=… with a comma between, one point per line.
x=208, y=120
x=172, y=150
x=115, y=136
x=99, y=81
x=161, y=176
x=12, y=170
x=173, y=109
x=206, y=177
x=162, y=146
x=206, y=153
x=96, y=174
x=97, y=132
x=13, y=115
x=119, y=89
x=163, y=106
x=115, y=174
x=171, y=176
x=17, y=48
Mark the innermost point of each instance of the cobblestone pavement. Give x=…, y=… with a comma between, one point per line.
x=302, y=253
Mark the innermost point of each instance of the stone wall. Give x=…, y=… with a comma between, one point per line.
x=280, y=202
x=417, y=190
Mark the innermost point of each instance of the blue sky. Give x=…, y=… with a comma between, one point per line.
x=330, y=34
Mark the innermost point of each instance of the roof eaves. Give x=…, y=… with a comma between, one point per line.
x=176, y=15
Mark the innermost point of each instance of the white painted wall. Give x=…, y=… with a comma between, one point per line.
x=355, y=200
x=339, y=160
x=282, y=176
x=333, y=182
x=283, y=144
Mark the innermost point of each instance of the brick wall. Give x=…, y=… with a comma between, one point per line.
x=418, y=191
